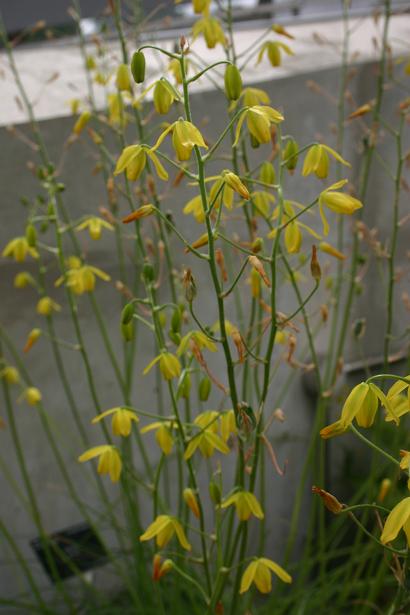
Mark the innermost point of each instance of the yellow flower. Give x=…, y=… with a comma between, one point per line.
x=361, y=404
x=32, y=396
x=259, y=119
x=10, y=374
x=207, y=440
x=227, y=425
x=398, y=518
x=317, y=160
x=81, y=122
x=191, y=501
x=133, y=160
x=246, y=505
x=212, y=31
x=174, y=67
x=46, y=306
x=94, y=226
x=23, y=279
x=169, y=365
x=163, y=434
x=254, y=96
x=261, y=200
x=163, y=528
x=123, y=81
x=121, y=420
x=18, y=249
x=337, y=201
x=164, y=95
x=194, y=207
x=273, y=50
x=184, y=137
x=329, y=249
x=82, y=279
x=109, y=460
x=233, y=181
x=200, y=339
x=201, y=6
x=259, y=572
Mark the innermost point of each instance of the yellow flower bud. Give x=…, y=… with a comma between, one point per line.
x=81, y=122
x=10, y=374
x=31, y=339
x=326, y=247
x=46, y=306
x=191, y=501
x=32, y=396
x=122, y=81
x=384, y=489
x=23, y=279
x=141, y=212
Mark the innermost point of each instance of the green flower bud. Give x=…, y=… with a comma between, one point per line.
x=148, y=272
x=204, y=388
x=127, y=331
x=176, y=321
x=215, y=493
x=267, y=173
x=127, y=313
x=290, y=154
x=233, y=82
x=138, y=66
x=185, y=386
x=31, y=235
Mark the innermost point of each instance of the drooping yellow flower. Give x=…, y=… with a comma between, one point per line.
x=201, y=6
x=10, y=374
x=24, y=279
x=47, y=306
x=121, y=420
x=18, y=249
x=194, y=207
x=82, y=279
x=184, y=138
x=133, y=160
x=164, y=95
x=273, y=50
x=212, y=31
x=254, y=96
x=123, y=80
x=163, y=528
x=398, y=518
x=317, y=160
x=361, y=404
x=169, y=365
x=207, y=439
x=81, y=122
x=262, y=200
x=329, y=249
x=200, y=339
x=95, y=225
x=109, y=460
x=246, y=505
x=259, y=119
x=174, y=67
x=163, y=434
x=338, y=202
x=191, y=501
x=228, y=426
x=259, y=572
x=32, y=395
x=400, y=405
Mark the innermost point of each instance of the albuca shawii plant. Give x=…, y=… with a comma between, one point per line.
x=191, y=471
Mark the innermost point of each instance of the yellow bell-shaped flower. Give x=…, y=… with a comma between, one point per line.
x=163, y=529
x=259, y=572
x=246, y=504
x=109, y=460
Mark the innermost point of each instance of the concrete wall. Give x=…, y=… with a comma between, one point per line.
x=308, y=116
